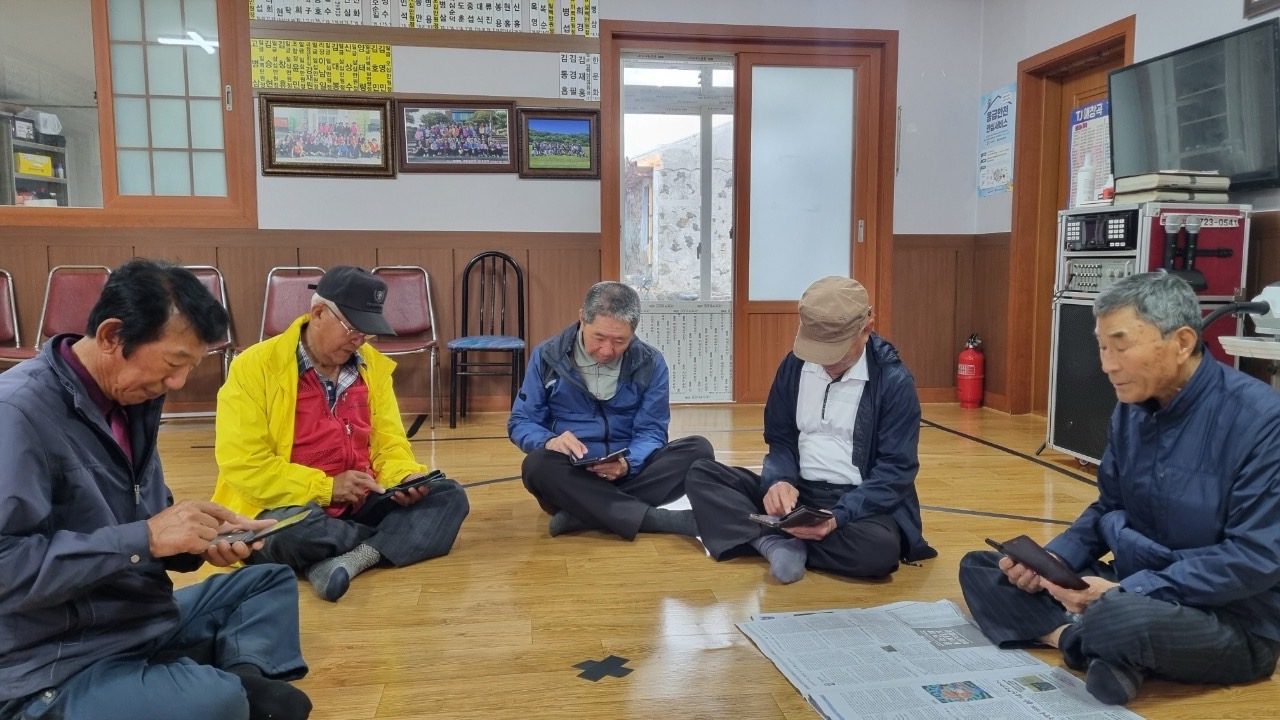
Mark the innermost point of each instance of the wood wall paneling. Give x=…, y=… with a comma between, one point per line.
x=411, y=376
x=358, y=252
x=991, y=309
x=28, y=263
x=929, y=310
x=245, y=271
x=558, y=300
x=766, y=328
x=87, y=254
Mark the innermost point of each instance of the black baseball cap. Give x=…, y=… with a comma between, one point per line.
x=359, y=294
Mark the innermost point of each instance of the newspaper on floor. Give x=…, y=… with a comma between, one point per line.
x=911, y=660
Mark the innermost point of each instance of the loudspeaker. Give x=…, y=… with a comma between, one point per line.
x=1081, y=397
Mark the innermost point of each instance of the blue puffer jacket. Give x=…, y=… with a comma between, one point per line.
x=885, y=437
x=77, y=580
x=554, y=398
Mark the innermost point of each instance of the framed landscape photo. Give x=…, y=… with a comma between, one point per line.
x=1253, y=8
x=559, y=143
x=455, y=137
x=333, y=136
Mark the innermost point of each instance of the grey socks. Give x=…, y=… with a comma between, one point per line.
x=562, y=522
x=678, y=522
x=786, y=556
x=331, y=578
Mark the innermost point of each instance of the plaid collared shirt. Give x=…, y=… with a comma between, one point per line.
x=348, y=374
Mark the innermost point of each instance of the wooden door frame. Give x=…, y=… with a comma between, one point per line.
x=1035, y=206
x=878, y=183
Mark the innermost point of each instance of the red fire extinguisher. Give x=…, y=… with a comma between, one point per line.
x=969, y=373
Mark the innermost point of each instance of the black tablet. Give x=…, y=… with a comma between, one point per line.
x=1026, y=551
x=584, y=462
x=251, y=536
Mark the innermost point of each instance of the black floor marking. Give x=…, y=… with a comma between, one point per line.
x=593, y=670
x=1011, y=451
x=984, y=513
x=490, y=482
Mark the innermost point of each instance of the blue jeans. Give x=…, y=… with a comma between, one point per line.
x=245, y=617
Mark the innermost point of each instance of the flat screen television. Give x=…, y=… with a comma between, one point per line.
x=1208, y=107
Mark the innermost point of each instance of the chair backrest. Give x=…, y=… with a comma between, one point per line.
x=69, y=297
x=491, y=282
x=287, y=296
x=408, y=308
x=211, y=278
x=8, y=312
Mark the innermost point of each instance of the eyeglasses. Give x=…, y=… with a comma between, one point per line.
x=351, y=332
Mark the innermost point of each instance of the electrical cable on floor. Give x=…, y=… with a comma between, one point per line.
x=1011, y=451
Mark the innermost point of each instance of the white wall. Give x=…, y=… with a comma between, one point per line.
x=1013, y=30
x=938, y=65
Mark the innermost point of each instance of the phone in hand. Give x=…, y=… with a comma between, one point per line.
x=585, y=461
x=1026, y=551
x=252, y=536
x=800, y=516
x=413, y=481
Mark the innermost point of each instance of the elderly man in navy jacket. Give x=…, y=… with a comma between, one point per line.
x=590, y=391
x=1188, y=505
x=90, y=626
x=842, y=422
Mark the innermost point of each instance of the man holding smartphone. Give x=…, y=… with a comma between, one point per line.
x=593, y=390
x=1188, y=504
x=90, y=625
x=842, y=423
x=308, y=419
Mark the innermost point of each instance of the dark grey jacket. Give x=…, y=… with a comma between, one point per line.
x=77, y=582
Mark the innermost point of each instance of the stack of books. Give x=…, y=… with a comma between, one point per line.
x=1172, y=186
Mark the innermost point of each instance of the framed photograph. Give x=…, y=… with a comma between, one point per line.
x=455, y=137
x=334, y=136
x=1257, y=7
x=559, y=143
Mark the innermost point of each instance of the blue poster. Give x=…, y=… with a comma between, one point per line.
x=995, y=141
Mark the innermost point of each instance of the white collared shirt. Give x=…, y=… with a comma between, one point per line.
x=826, y=412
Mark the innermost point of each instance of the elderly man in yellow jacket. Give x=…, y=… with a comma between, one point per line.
x=308, y=419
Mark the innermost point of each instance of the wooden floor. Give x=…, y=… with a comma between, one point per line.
x=494, y=629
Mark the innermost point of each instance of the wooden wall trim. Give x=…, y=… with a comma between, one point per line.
x=233, y=237
x=423, y=37
x=1031, y=203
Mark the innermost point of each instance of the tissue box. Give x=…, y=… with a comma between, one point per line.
x=33, y=164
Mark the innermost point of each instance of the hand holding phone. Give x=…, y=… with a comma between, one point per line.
x=585, y=461
x=1028, y=552
x=251, y=536
x=800, y=516
x=413, y=481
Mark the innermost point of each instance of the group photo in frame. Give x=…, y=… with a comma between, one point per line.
x=559, y=143
x=1253, y=8
x=455, y=136
x=334, y=136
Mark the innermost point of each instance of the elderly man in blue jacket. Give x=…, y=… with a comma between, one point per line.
x=593, y=390
x=842, y=423
x=90, y=625
x=1188, y=505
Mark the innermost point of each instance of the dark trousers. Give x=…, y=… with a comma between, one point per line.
x=620, y=506
x=723, y=497
x=248, y=616
x=405, y=535
x=1177, y=642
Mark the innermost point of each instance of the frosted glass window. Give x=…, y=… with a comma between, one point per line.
x=206, y=124
x=204, y=76
x=169, y=123
x=124, y=18
x=210, y=172
x=172, y=172
x=165, y=73
x=133, y=170
x=131, y=122
x=163, y=19
x=202, y=18
x=802, y=188
x=126, y=69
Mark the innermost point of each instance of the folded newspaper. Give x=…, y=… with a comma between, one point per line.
x=915, y=660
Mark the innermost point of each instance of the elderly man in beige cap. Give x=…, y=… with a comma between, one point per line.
x=842, y=423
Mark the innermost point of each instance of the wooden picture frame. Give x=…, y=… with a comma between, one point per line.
x=462, y=136
x=1253, y=8
x=557, y=143
x=332, y=136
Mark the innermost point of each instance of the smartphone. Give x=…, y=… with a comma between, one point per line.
x=251, y=536
x=1023, y=549
x=413, y=482
x=583, y=462
x=799, y=516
